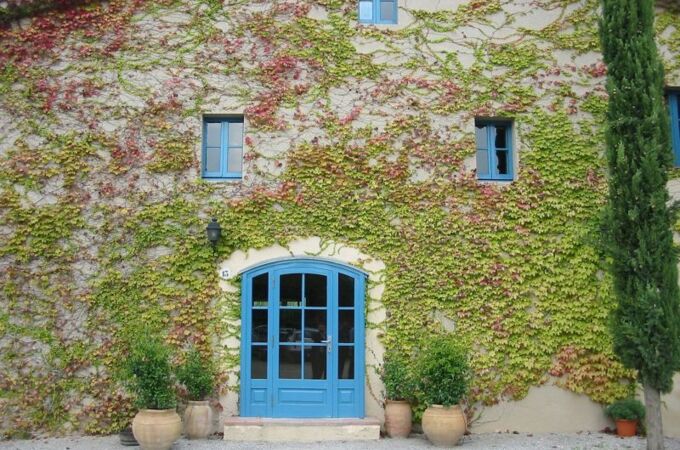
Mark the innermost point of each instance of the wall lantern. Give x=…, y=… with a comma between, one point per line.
x=214, y=232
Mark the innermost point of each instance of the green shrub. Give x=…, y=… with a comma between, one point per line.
x=397, y=377
x=443, y=371
x=150, y=374
x=197, y=375
x=626, y=409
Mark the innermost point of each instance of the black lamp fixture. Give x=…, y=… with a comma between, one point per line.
x=214, y=232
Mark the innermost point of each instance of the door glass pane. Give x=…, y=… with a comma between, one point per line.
x=346, y=362
x=289, y=361
x=387, y=10
x=260, y=290
x=258, y=365
x=259, y=325
x=345, y=290
x=315, y=362
x=213, y=131
x=346, y=326
x=502, y=157
x=290, y=329
x=480, y=136
x=315, y=290
x=235, y=134
x=500, y=137
x=366, y=10
x=235, y=159
x=291, y=289
x=212, y=159
x=315, y=325
x=482, y=162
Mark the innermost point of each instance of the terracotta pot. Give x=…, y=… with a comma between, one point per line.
x=156, y=429
x=444, y=426
x=198, y=420
x=626, y=428
x=398, y=418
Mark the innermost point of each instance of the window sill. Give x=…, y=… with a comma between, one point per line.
x=495, y=180
x=222, y=180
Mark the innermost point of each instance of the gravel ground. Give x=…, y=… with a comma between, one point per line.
x=509, y=441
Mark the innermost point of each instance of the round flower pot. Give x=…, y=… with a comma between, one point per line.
x=398, y=418
x=626, y=428
x=156, y=429
x=444, y=426
x=198, y=420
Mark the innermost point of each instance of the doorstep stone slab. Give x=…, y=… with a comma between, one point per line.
x=256, y=429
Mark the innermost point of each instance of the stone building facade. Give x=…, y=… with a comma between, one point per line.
x=442, y=158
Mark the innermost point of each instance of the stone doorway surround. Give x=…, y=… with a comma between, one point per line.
x=239, y=261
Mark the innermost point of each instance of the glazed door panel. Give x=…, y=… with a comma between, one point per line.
x=302, y=342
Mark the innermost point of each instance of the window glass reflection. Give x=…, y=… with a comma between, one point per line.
x=258, y=362
x=346, y=362
x=260, y=290
x=289, y=361
x=315, y=290
x=315, y=362
x=291, y=289
x=345, y=291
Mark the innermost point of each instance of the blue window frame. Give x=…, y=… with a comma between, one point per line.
x=378, y=11
x=222, y=147
x=494, y=150
x=673, y=99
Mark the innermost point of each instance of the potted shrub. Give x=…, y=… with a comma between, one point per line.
x=443, y=378
x=399, y=388
x=198, y=377
x=627, y=413
x=157, y=425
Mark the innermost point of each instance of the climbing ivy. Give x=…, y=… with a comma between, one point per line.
x=356, y=134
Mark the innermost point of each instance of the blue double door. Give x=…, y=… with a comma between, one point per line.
x=303, y=340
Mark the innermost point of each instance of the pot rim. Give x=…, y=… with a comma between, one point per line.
x=397, y=401
x=198, y=402
x=158, y=411
x=444, y=407
x=626, y=420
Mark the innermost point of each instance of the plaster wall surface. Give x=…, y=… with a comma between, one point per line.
x=177, y=55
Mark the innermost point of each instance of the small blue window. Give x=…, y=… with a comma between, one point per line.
x=222, y=147
x=494, y=150
x=378, y=11
x=673, y=99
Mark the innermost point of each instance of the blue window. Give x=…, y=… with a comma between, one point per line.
x=222, y=147
x=673, y=99
x=494, y=150
x=378, y=11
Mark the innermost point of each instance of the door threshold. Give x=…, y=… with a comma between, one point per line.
x=255, y=429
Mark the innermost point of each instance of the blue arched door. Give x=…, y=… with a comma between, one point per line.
x=302, y=343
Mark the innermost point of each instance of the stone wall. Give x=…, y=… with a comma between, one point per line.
x=355, y=134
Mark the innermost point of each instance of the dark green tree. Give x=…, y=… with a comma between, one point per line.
x=638, y=218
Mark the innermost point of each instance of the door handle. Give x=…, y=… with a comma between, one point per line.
x=329, y=343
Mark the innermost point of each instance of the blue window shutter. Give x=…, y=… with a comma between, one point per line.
x=673, y=99
x=378, y=11
x=386, y=11
x=212, y=151
x=494, y=152
x=366, y=11
x=218, y=147
x=483, y=153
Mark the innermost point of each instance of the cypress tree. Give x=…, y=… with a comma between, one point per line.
x=637, y=221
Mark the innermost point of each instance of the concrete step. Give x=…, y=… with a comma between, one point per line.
x=251, y=429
